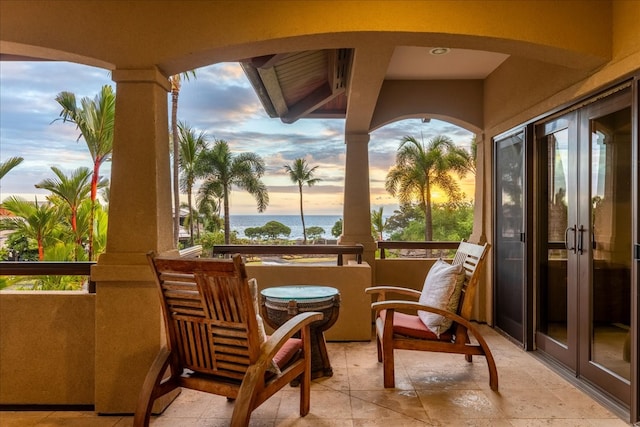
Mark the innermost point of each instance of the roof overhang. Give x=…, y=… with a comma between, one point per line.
x=308, y=84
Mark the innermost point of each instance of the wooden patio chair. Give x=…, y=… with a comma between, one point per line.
x=397, y=329
x=214, y=341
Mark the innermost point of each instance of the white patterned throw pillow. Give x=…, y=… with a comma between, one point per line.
x=442, y=289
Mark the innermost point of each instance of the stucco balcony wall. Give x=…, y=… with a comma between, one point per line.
x=47, y=348
x=47, y=339
x=404, y=272
x=354, y=321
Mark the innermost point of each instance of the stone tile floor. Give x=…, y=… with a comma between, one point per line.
x=431, y=390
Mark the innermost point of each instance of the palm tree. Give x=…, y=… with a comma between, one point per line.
x=9, y=164
x=95, y=119
x=378, y=223
x=192, y=145
x=72, y=189
x=300, y=173
x=190, y=219
x=221, y=168
x=32, y=221
x=419, y=167
x=176, y=84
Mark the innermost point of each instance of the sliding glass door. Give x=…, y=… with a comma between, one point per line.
x=511, y=236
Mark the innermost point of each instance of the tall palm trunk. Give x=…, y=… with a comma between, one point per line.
x=40, y=248
x=94, y=194
x=304, y=229
x=428, y=219
x=192, y=218
x=78, y=236
x=227, y=225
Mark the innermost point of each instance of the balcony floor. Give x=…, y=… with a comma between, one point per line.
x=431, y=390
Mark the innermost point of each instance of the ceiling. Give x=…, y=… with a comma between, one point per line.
x=314, y=84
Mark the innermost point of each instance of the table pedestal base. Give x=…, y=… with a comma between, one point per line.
x=276, y=312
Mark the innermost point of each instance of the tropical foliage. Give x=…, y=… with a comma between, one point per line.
x=95, y=119
x=176, y=85
x=35, y=222
x=336, y=230
x=71, y=190
x=452, y=222
x=192, y=145
x=272, y=230
x=420, y=167
x=9, y=164
x=314, y=232
x=223, y=171
x=378, y=224
x=71, y=224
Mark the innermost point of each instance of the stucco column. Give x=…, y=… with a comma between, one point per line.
x=128, y=319
x=483, y=306
x=356, y=225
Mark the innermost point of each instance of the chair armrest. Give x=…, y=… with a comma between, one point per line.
x=383, y=290
x=255, y=373
x=284, y=332
x=271, y=346
x=409, y=305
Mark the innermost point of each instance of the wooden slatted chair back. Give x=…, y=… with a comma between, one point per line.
x=472, y=257
x=209, y=315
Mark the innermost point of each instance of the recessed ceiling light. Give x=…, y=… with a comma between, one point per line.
x=439, y=51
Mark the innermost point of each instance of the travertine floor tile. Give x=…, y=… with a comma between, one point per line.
x=431, y=390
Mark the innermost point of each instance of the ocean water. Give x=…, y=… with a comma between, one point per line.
x=240, y=222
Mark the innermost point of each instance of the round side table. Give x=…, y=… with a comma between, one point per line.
x=281, y=303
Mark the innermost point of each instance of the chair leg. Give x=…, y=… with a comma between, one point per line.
x=305, y=387
x=240, y=420
x=244, y=403
x=491, y=363
x=493, y=371
x=379, y=345
x=388, y=366
x=468, y=357
x=151, y=381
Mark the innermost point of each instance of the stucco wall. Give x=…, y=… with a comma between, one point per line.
x=47, y=348
x=403, y=272
x=354, y=321
x=523, y=89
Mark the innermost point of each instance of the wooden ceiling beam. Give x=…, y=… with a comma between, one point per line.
x=310, y=103
x=268, y=61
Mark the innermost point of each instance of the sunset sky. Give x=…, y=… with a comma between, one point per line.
x=219, y=101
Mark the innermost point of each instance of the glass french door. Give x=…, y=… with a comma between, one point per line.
x=585, y=242
x=510, y=237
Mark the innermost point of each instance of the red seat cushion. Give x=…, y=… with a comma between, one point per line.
x=288, y=352
x=411, y=326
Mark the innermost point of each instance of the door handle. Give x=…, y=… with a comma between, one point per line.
x=581, y=231
x=566, y=239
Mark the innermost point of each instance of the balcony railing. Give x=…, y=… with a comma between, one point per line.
x=68, y=268
x=53, y=268
x=339, y=250
x=48, y=268
x=385, y=245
